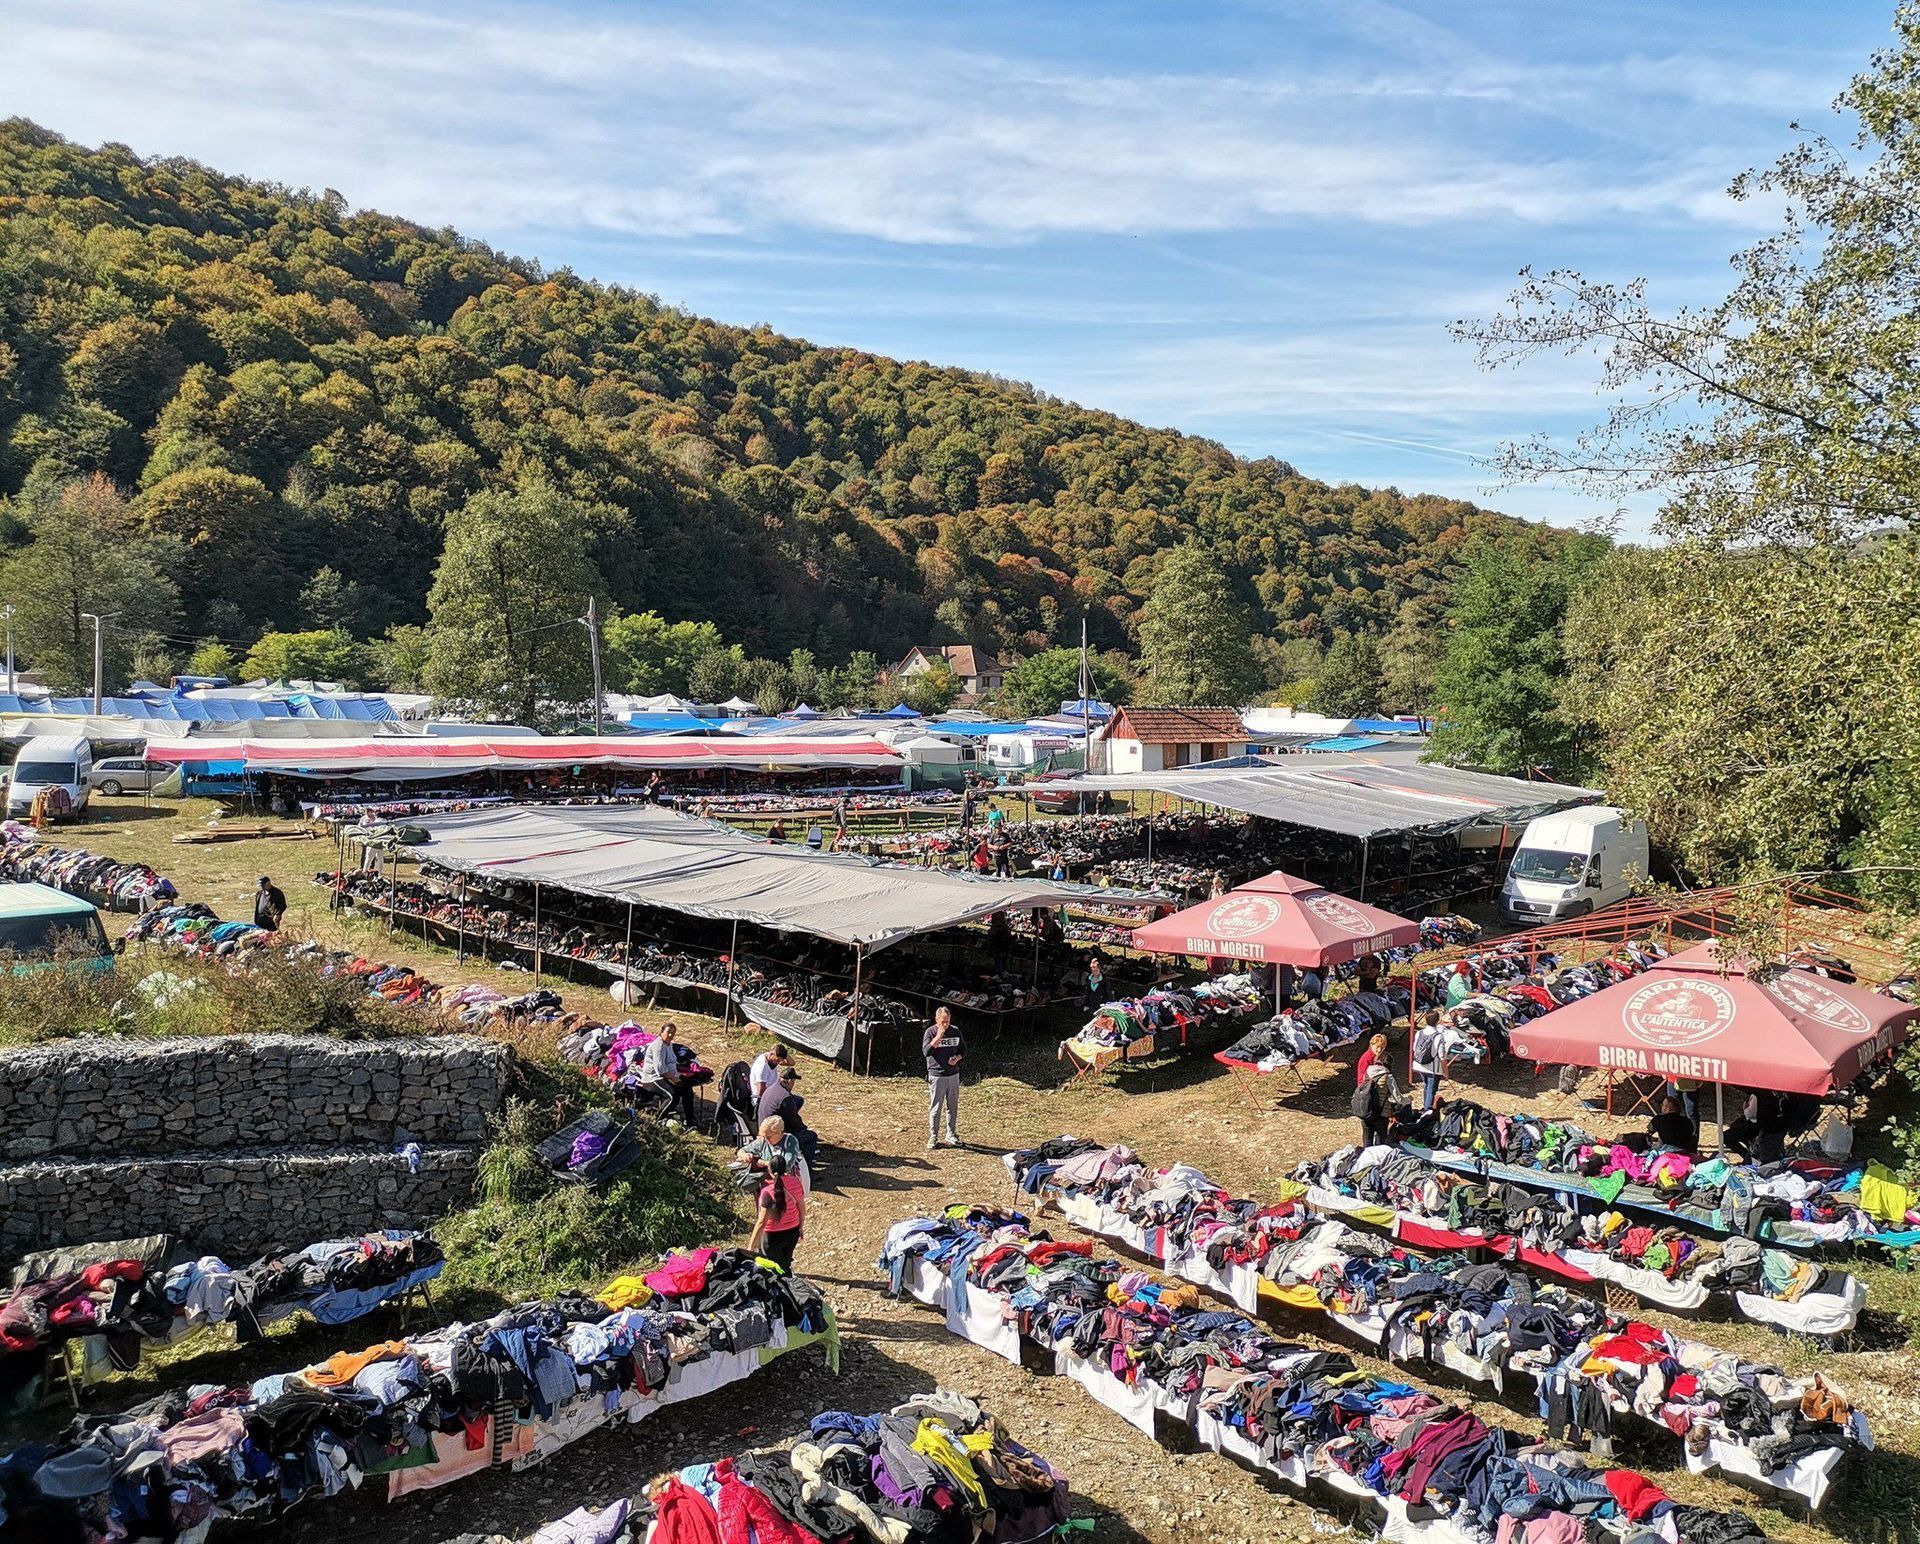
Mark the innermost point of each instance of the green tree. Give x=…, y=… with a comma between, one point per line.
x=851, y=686
x=1753, y=688
x=88, y=554
x=1410, y=657
x=211, y=657
x=330, y=603
x=327, y=654
x=1497, y=688
x=1193, y=634
x=718, y=675
x=649, y=655
x=514, y=576
x=1350, y=683
x=398, y=660
x=1039, y=683
x=932, y=690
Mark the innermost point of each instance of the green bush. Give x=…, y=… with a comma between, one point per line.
x=531, y=1233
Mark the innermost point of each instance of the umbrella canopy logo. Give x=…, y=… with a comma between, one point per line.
x=1807, y=994
x=1337, y=911
x=1242, y=916
x=1676, y=1013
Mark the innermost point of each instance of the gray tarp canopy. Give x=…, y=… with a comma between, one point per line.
x=657, y=857
x=1360, y=796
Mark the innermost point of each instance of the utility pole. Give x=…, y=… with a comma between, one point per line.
x=99, y=624
x=591, y=622
x=6, y=616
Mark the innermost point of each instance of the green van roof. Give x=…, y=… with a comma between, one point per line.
x=40, y=901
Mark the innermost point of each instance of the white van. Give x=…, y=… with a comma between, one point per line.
x=1572, y=863
x=57, y=761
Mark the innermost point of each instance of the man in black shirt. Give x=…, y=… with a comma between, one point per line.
x=1672, y=1128
x=269, y=905
x=944, y=1050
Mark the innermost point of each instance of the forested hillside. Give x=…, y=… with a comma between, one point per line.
x=280, y=386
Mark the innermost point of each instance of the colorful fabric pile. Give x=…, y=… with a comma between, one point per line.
x=1133, y=1028
x=1731, y=1414
x=110, y=883
x=1798, y=1203
x=935, y=1470
x=1308, y=1032
x=121, y=1303
x=423, y=1411
x=1548, y=1232
x=1149, y=1351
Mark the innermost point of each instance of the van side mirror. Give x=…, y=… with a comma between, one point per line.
x=1594, y=882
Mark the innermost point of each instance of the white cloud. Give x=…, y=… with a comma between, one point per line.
x=641, y=122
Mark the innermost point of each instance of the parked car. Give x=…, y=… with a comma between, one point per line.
x=125, y=774
x=1065, y=800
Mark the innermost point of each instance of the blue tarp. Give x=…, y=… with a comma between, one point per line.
x=898, y=710
x=1387, y=726
x=968, y=726
x=1347, y=742
x=674, y=723
x=1086, y=708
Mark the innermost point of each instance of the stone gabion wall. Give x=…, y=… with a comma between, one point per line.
x=239, y=1145
x=120, y=1098
x=242, y=1203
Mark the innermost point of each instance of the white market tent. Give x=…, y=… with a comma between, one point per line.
x=648, y=856
x=1353, y=795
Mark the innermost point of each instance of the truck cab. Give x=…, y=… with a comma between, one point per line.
x=40, y=925
x=1572, y=863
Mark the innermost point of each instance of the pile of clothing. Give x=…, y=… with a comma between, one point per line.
x=1162, y=1019
x=1509, y=988
x=935, y=1470
x=423, y=1411
x=1548, y=1232
x=110, y=883
x=1177, y=1217
x=1303, y=1413
x=121, y=1303
x=1797, y=1203
x=1308, y=1032
x=195, y=929
x=616, y=1054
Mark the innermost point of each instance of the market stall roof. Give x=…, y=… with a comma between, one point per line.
x=1278, y=920
x=1355, y=795
x=659, y=857
x=417, y=757
x=1773, y=1027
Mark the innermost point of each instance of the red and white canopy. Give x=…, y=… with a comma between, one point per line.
x=1278, y=920
x=417, y=755
x=1695, y=1017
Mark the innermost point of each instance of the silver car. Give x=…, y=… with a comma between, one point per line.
x=125, y=774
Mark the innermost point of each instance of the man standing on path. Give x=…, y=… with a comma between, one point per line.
x=269, y=905
x=945, y=1051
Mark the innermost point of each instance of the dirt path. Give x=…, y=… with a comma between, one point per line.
x=877, y=1172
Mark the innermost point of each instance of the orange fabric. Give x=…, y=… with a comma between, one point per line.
x=345, y=1366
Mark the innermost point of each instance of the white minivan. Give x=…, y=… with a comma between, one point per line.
x=57, y=761
x=1572, y=863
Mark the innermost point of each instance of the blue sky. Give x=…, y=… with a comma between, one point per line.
x=1251, y=221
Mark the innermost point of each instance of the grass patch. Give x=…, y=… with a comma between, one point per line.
x=532, y=1234
x=158, y=995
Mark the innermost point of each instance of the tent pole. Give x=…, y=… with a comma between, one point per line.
x=853, y=1045
x=733, y=966
x=626, y=957
x=1719, y=1116
x=539, y=954
x=1363, y=869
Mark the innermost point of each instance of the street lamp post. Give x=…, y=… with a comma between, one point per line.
x=6, y=616
x=99, y=625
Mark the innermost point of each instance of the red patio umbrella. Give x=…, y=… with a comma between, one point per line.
x=1694, y=1017
x=1278, y=920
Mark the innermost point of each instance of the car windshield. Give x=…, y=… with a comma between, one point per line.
x=34, y=773
x=1546, y=867
x=71, y=933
